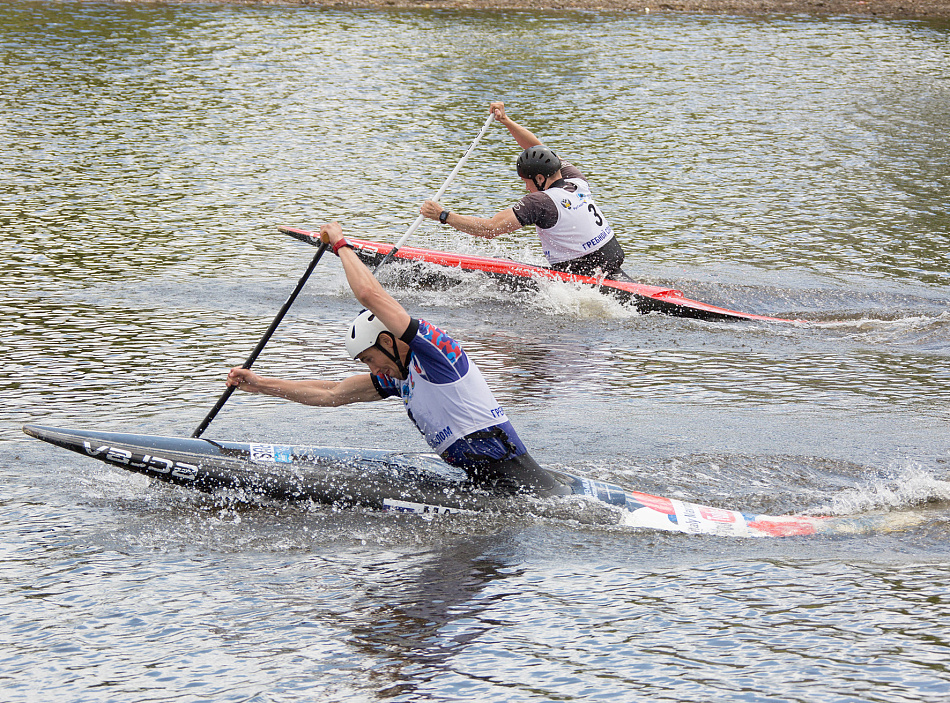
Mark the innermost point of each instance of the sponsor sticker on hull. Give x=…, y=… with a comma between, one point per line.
x=270, y=453
x=404, y=506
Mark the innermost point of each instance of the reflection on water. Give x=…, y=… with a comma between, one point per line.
x=434, y=609
x=786, y=166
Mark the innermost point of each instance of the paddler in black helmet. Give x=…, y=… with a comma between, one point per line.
x=443, y=391
x=575, y=235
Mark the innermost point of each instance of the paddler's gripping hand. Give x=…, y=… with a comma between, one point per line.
x=431, y=209
x=522, y=135
x=497, y=108
x=331, y=233
x=243, y=379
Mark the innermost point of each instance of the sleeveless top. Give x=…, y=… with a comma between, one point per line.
x=568, y=221
x=447, y=398
x=581, y=227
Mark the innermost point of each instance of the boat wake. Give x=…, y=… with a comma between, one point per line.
x=433, y=285
x=457, y=288
x=928, y=332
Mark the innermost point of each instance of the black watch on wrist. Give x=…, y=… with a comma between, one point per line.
x=443, y=216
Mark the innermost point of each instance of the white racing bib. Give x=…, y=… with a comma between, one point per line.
x=446, y=412
x=445, y=394
x=581, y=227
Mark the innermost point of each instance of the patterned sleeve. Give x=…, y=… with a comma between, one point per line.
x=385, y=386
x=442, y=358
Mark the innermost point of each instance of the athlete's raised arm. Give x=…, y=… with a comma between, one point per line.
x=522, y=134
x=366, y=288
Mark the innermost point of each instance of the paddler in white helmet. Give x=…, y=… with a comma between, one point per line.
x=575, y=235
x=443, y=391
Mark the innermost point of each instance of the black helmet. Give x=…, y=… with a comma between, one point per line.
x=538, y=161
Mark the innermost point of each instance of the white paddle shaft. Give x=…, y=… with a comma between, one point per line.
x=448, y=181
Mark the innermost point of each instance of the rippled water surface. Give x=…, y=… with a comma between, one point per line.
x=786, y=166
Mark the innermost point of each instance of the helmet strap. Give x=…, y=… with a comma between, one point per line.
x=401, y=364
x=540, y=185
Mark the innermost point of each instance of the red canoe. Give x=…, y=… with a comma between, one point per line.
x=646, y=298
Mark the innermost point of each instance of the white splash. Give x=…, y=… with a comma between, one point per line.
x=578, y=301
x=906, y=487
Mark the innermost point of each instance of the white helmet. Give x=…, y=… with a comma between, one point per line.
x=364, y=332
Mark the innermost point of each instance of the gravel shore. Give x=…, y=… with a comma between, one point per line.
x=888, y=9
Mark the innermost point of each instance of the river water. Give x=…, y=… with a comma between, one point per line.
x=788, y=166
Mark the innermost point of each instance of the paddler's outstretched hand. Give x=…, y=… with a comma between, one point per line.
x=522, y=135
x=243, y=379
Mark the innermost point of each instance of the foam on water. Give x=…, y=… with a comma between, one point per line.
x=456, y=288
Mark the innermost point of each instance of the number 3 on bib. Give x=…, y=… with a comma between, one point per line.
x=598, y=218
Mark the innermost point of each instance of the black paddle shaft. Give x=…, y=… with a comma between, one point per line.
x=266, y=338
x=386, y=259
